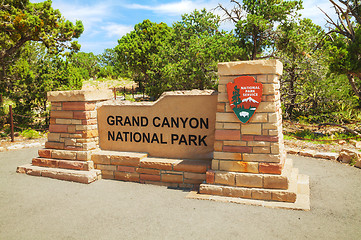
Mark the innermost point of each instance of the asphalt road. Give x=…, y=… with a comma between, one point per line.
x=43, y=208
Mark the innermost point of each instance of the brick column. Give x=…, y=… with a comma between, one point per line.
x=249, y=159
x=73, y=136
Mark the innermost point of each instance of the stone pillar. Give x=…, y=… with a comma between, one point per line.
x=249, y=159
x=73, y=136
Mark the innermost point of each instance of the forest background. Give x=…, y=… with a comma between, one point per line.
x=322, y=65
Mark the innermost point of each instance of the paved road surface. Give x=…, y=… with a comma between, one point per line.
x=43, y=208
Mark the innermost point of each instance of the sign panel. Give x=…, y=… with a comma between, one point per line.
x=244, y=96
x=176, y=126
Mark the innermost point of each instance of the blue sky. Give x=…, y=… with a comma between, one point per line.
x=107, y=21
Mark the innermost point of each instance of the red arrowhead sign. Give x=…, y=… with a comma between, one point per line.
x=244, y=96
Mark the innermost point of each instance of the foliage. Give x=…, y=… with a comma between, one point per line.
x=110, y=66
x=30, y=134
x=343, y=42
x=86, y=64
x=22, y=21
x=197, y=47
x=255, y=22
x=141, y=54
x=160, y=58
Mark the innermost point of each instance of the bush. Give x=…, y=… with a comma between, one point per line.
x=30, y=134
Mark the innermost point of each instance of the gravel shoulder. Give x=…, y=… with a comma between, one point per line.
x=43, y=208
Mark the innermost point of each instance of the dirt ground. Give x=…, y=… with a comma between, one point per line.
x=43, y=208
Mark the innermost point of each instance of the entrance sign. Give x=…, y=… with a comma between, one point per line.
x=178, y=125
x=244, y=96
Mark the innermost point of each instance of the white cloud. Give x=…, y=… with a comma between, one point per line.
x=117, y=30
x=176, y=8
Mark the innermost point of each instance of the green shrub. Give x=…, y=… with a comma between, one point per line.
x=30, y=133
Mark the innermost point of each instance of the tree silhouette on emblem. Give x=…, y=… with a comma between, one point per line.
x=235, y=97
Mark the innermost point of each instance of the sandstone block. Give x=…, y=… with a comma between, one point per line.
x=235, y=143
x=266, y=138
x=218, y=145
x=80, y=95
x=261, y=195
x=106, y=167
x=270, y=168
x=124, y=160
x=227, y=135
x=236, y=192
x=249, y=180
x=85, y=106
x=101, y=159
x=76, y=165
x=259, y=118
x=44, y=153
x=61, y=114
x=258, y=144
x=224, y=178
x=157, y=163
x=254, y=157
x=63, y=154
x=237, y=149
x=210, y=176
x=275, y=182
x=232, y=126
x=221, y=107
x=125, y=169
x=254, y=67
x=245, y=137
x=172, y=178
x=191, y=166
x=227, y=117
x=215, y=164
x=238, y=166
x=130, y=177
x=53, y=137
x=148, y=171
x=284, y=196
x=58, y=128
x=227, y=155
x=107, y=174
x=267, y=107
x=45, y=162
x=84, y=115
x=149, y=177
x=270, y=88
x=210, y=189
x=54, y=145
x=83, y=155
x=261, y=150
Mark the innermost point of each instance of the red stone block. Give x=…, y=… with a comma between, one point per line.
x=125, y=169
x=44, y=153
x=247, y=137
x=76, y=165
x=44, y=162
x=237, y=149
x=89, y=122
x=266, y=138
x=227, y=135
x=148, y=177
x=210, y=176
x=58, y=128
x=82, y=106
x=82, y=115
x=271, y=168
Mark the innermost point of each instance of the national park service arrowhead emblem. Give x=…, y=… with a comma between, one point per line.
x=244, y=96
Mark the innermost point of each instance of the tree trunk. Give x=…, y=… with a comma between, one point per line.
x=355, y=89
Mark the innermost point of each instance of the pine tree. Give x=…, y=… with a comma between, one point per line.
x=236, y=97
